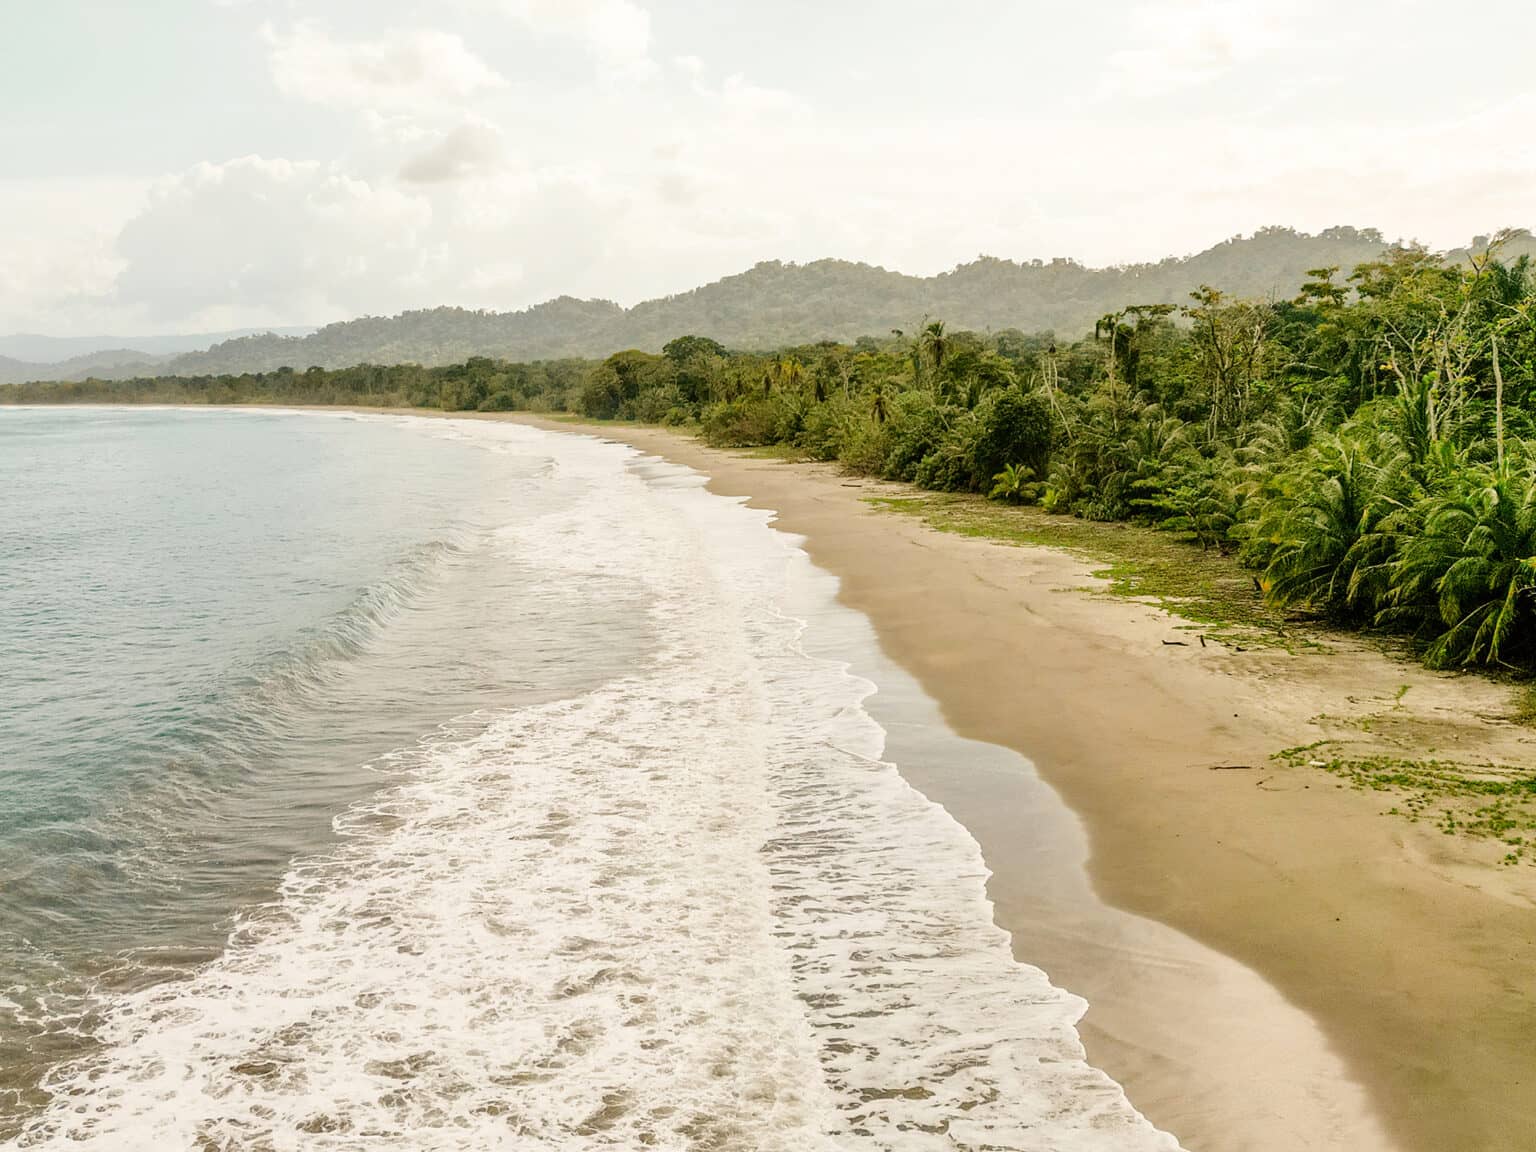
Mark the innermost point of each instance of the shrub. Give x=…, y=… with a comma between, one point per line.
x=1015, y=428
x=865, y=446
x=824, y=430
x=1016, y=484
x=917, y=426
x=747, y=422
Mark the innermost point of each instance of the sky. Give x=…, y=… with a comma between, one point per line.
x=198, y=165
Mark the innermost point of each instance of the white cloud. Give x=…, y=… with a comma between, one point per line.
x=740, y=95
x=58, y=238
x=465, y=150
x=403, y=70
x=258, y=241
x=1179, y=44
x=453, y=185
x=617, y=33
x=263, y=241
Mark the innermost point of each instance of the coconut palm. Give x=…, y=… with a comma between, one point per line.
x=935, y=343
x=1475, y=561
x=786, y=373
x=879, y=406
x=1329, y=532
x=1015, y=484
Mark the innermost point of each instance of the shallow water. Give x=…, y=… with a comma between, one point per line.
x=568, y=844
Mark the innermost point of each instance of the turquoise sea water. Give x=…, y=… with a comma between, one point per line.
x=214, y=625
x=377, y=782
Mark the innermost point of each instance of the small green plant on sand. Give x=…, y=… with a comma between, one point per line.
x=1482, y=801
x=1016, y=484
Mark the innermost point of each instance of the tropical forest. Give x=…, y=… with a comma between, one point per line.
x=1367, y=446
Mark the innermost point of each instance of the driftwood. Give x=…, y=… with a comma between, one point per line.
x=1175, y=644
x=1233, y=767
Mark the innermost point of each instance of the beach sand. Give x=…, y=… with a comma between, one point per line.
x=1397, y=1005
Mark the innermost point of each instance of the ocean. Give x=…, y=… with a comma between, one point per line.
x=374, y=781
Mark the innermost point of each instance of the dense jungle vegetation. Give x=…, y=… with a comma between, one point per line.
x=1368, y=447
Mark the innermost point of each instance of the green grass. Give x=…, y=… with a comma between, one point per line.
x=771, y=452
x=1484, y=801
x=1210, y=591
x=1525, y=704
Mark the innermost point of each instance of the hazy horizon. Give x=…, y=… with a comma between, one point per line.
x=278, y=163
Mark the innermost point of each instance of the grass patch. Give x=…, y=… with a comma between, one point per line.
x=1485, y=802
x=1211, y=591
x=1525, y=704
x=770, y=452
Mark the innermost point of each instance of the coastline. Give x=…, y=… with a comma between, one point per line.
x=1270, y=962
x=1409, y=950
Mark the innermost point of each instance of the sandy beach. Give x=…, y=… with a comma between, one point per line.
x=1396, y=1008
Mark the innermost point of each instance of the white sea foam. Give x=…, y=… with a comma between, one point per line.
x=691, y=909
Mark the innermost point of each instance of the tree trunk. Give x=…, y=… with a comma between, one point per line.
x=1498, y=400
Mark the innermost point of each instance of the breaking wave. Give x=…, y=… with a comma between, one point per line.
x=690, y=908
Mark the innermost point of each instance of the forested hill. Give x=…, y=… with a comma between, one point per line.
x=114, y=364
x=775, y=304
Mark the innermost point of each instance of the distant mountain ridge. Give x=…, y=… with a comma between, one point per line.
x=776, y=304
x=25, y=357
x=33, y=348
x=111, y=364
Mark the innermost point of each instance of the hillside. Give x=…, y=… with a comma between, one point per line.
x=775, y=304
x=111, y=364
x=38, y=349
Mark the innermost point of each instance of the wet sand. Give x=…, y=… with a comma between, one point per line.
x=1275, y=963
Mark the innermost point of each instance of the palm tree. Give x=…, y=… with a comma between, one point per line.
x=1110, y=327
x=1330, y=531
x=1475, y=563
x=878, y=408
x=1015, y=484
x=936, y=344
x=788, y=372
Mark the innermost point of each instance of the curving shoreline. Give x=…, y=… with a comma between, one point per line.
x=1409, y=951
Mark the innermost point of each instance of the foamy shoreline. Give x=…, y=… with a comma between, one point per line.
x=689, y=903
x=1409, y=957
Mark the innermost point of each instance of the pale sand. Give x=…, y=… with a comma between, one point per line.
x=1398, y=960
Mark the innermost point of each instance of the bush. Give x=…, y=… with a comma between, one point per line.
x=747, y=422
x=865, y=447
x=652, y=407
x=502, y=401
x=1015, y=484
x=946, y=469
x=951, y=467
x=1015, y=428
x=917, y=427
x=601, y=396
x=825, y=429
